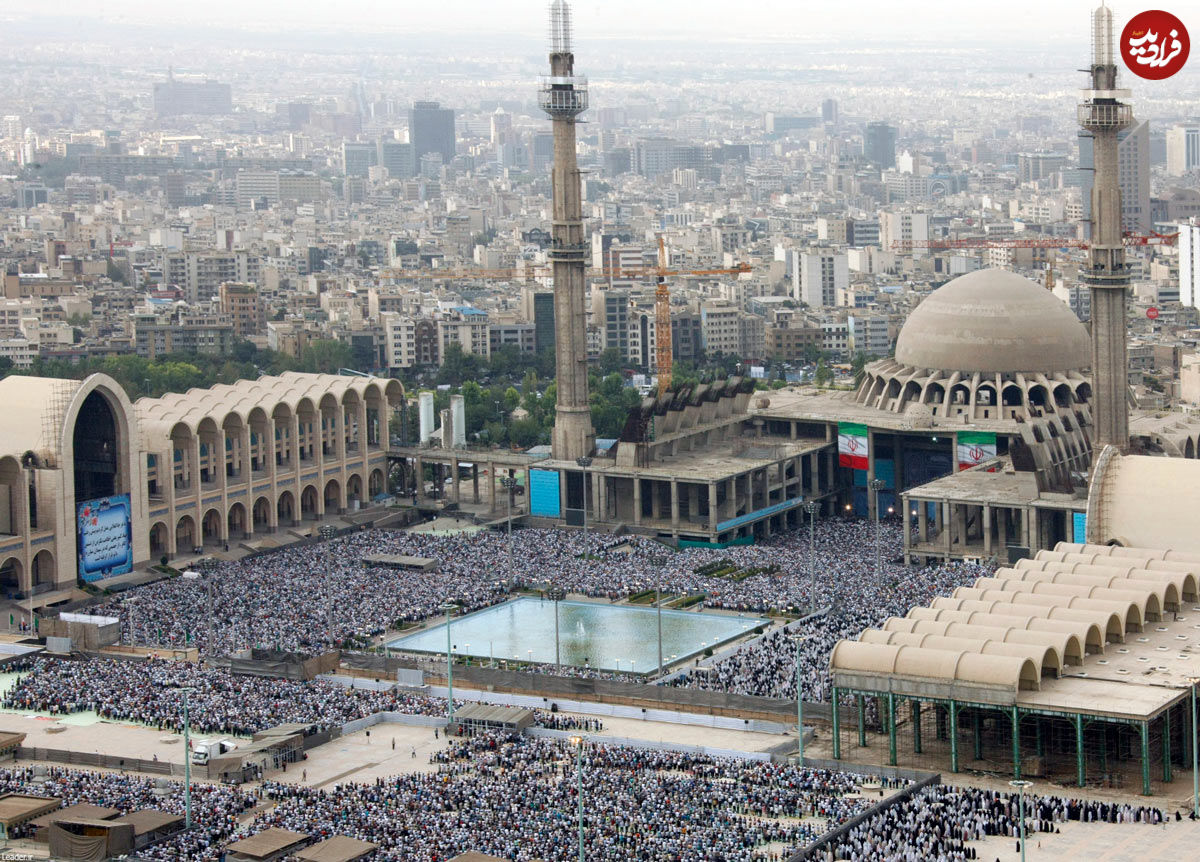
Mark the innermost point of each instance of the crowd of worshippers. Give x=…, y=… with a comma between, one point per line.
x=312, y=597
x=936, y=823
x=149, y=692
x=767, y=666
x=516, y=799
x=215, y=808
x=307, y=598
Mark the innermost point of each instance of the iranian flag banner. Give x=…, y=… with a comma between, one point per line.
x=852, y=445
x=975, y=447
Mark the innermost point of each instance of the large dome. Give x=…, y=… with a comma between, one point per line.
x=993, y=321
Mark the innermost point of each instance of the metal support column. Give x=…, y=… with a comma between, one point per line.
x=916, y=710
x=953, y=736
x=1145, y=729
x=977, y=723
x=862, y=721
x=891, y=723
x=1166, y=746
x=1037, y=735
x=837, y=736
x=1016, y=743
x=1080, y=768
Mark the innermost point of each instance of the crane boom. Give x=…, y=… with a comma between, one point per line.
x=1039, y=242
x=467, y=273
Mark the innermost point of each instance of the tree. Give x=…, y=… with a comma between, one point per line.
x=858, y=365
x=824, y=374
x=326, y=356
x=244, y=351
x=610, y=360
x=115, y=272
x=525, y=432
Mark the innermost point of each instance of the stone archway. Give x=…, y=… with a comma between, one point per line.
x=186, y=539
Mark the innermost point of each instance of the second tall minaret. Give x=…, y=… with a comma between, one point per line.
x=1103, y=115
x=564, y=97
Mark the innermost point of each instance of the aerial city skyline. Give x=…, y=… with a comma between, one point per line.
x=599, y=431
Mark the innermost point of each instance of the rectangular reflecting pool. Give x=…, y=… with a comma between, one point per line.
x=612, y=637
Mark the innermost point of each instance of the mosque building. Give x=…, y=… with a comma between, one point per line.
x=93, y=485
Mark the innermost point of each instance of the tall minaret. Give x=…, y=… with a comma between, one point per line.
x=564, y=97
x=1103, y=115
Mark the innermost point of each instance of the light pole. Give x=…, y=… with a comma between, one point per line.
x=132, y=603
x=810, y=509
x=447, y=608
x=555, y=594
x=577, y=741
x=799, y=641
x=584, y=462
x=658, y=563
x=508, y=483
x=187, y=762
x=1021, y=784
x=878, y=485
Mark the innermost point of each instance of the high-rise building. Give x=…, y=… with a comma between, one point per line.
x=172, y=98
x=822, y=275
x=502, y=128
x=243, y=306
x=431, y=130
x=358, y=158
x=537, y=306
x=1032, y=167
x=1133, y=169
x=896, y=229
x=879, y=145
x=541, y=152
x=829, y=111
x=397, y=157
x=1189, y=263
x=399, y=340
x=1183, y=150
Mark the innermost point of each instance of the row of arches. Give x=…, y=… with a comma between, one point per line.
x=42, y=570
x=894, y=388
x=229, y=434
x=240, y=522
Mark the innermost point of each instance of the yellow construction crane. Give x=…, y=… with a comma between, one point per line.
x=662, y=292
x=662, y=321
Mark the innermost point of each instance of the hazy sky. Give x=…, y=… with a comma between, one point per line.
x=1038, y=21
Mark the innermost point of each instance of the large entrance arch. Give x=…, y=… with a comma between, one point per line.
x=285, y=509
x=159, y=543
x=308, y=503
x=354, y=490
x=375, y=483
x=11, y=573
x=211, y=527
x=185, y=535
x=236, y=522
x=261, y=515
x=333, y=496
x=44, y=572
x=96, y=449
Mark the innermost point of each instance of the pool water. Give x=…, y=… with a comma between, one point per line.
x=610, y=637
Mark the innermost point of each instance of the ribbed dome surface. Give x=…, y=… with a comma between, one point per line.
x=993, y=320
